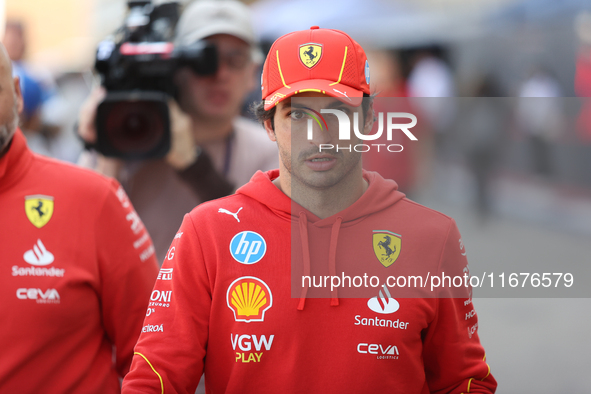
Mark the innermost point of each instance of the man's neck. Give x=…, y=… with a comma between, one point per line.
x=211, y=130
x=324, y=202
x=5, y=150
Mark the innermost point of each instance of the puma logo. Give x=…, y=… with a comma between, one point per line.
x=223, y=210
x=343, y=93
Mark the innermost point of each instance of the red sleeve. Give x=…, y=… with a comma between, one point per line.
x=583, y=74
x=455, y=361
x=169, y=355
x=128, y=268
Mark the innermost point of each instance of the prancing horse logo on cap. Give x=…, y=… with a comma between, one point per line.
x=310, y=54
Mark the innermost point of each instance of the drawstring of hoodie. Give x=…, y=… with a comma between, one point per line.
x=379, y=195
x=332, y=257
x=306, y=254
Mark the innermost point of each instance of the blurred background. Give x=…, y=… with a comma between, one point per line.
x=514, y=173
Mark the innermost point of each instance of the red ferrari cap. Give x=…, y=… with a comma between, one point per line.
x=316, y=60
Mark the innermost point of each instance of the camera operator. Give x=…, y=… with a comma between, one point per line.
x=213, y=149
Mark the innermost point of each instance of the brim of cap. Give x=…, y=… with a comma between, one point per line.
x=213, y=29
x=344, y=93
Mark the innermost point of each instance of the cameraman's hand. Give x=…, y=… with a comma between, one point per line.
x=87, y=131
x=183, y=150
x=87, y=115
x=193, y=166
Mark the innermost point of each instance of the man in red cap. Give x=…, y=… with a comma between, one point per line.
x=229, y=305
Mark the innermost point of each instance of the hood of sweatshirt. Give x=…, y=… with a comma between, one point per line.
x=380, y=194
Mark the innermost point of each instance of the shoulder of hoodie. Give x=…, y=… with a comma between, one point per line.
x=430, y=219
x=87, y=184
x=206, y=214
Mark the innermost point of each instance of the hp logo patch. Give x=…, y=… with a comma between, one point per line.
x=248, y=247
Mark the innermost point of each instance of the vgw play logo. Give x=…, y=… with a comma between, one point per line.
x=345, y=130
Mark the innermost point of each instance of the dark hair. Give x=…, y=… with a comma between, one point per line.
x=258, y=109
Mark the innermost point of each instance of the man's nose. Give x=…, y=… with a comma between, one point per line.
x=318, y=134
x=223, y=72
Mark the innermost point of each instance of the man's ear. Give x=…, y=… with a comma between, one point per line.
x=369, y=119
x=269, y=129
x=18, y=96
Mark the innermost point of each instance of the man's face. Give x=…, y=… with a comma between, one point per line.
x=219, y=96
x=14, y=42
x=11, y=103
x=301, y=158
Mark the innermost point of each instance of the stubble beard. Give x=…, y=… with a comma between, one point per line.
x=324, y=182
x=8, y=129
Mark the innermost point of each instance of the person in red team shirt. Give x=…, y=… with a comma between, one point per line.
x=226, y=303
x=77, y=268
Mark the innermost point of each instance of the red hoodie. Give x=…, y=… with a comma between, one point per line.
x=222, y=304
x=77, y=268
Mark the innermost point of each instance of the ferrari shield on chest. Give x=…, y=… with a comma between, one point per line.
x=386, y=246
x=39, y=209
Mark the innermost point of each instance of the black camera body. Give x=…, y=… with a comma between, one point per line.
x=137, y=67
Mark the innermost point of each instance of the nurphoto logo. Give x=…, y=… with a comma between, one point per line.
x=344, y=123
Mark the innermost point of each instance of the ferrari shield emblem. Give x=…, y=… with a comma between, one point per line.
x=39, y=209
x=310, y=54
x=386, y=246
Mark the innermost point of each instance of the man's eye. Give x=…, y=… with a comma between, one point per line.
x=236, y=60
x=297, y=114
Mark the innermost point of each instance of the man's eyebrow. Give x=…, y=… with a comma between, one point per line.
x=285, y=104
x=337, y=103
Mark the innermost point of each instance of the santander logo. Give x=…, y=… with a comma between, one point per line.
x=38, y=255
x=383, y=303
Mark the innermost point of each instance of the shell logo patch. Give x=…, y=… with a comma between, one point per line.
x=310, y=54
x=249, y=298
x=386, y=246
x=39, y=209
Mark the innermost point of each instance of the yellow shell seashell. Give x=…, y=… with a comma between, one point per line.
x=248, y=298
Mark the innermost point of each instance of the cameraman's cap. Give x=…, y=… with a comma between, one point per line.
x=204, y=18
x=316, y=60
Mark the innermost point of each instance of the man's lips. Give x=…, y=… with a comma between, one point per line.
x=321, y=162
x=218, y=96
